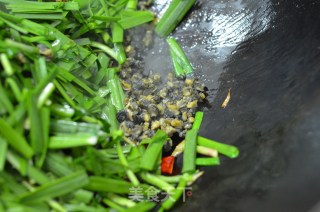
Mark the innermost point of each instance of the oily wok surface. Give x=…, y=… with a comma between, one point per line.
x=268, y=53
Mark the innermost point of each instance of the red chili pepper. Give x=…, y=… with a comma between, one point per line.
x=167, y=165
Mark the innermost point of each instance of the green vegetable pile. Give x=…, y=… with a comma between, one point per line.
x=60, y=144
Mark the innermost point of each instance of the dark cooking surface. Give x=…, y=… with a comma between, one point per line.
x=268, y=53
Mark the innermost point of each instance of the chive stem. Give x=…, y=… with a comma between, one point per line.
x=207, y=161
x=225, y=149
x=189, y=155
x=207, y=151
x=173, y=16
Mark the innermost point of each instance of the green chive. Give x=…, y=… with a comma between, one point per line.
x=168, y=203
x=131, y=19
x=207, y=161
x=179, y=71
x=156, y=181
x=121, y=55
x=142, y=206
x=46, y=93
x=56, y=188
x=121, y=200
x=57, y=164
x=17, y=162
x=189, y=154
x=108, y=185
x=116, y=96
x=117, y=33
x=3, y=153
x=173, y=16
x=207, y=151
x=106, y=49
x=225, y=149
x=6, y=64
x=15, y=139
x=150, y=157
x=124, y=162
x=62, y=110
x=72, y=140
x=36, y=127
x=114, y=205
x=181, y=58
x=15, y=89
x=197, y=120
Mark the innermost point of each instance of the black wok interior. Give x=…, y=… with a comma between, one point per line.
x=268, y=53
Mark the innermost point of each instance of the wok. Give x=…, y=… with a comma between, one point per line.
x=268, y=53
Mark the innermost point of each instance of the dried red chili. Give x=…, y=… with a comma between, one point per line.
x=167, y=165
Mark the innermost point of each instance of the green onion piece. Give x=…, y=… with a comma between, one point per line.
x=156, y=181
x=15, y=139
x=45, y=120
x=124, y=162
x=6, y=64
x=132, y=5
x=116, y=96
x=45, y=94
x=225, y=149
x=82, y=196
x=154, y=149
x=72, y=127
x=142, y=206
x=17, y=116
x=37, y=175
x=36, y=6
x=4, y=17
x=45, y=80
x=64, y=94
x=105, y=18
x=5, y=102
x=176, y=179
x=41, y=16
x=57, y=187
x=100, y=76
x=131, y=19
x=181, y=56
x=83, y=41
x=117, y=33
x=22, y=47
x=12, y=184
x=104, y=60
x=113, y=205
x=121, y=200
x=207, y=161
x=38, y=141
x=207, y=151
x=104, y=184
x=72, y=140
x=179, y=71
x=110, y=115
x=15, y=89
x=62, y=110
x=106, y=49
x=189, y=154
x=84, y=207
x=17, y=162
x=197, y=120
x=56, y=164
x=168, y=203
x=118, y=47
x=173, y=16
x=3, y=153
